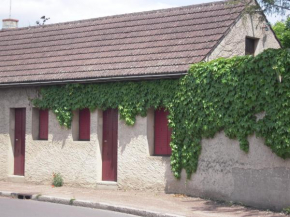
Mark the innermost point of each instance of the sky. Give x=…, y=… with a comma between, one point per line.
x=30, y=11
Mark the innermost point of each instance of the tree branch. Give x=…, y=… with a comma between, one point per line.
x=279, y=6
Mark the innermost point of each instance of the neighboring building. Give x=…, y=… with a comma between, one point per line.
x=100, y=150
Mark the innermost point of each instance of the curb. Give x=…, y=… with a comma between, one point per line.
x=89, y=204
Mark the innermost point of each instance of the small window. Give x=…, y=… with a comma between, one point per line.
x=162, y=133
x=251, y=44
x=43, y=125
x=84, y=124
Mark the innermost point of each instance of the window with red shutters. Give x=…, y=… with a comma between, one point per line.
x=162, y=133
x=84, y=125
x=43, y=124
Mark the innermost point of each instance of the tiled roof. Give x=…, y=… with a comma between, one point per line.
x=155, y=43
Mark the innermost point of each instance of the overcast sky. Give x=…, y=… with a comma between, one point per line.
x=29, y=11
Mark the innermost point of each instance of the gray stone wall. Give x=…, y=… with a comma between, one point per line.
x=234, y=42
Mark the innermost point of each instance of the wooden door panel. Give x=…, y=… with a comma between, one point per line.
x=162, y=133
x=110, y=144
x=19, y=142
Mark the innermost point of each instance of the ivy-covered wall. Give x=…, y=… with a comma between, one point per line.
x=224, y=94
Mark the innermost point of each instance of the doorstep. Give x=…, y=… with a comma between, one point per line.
x=16, y=179
x=104, y=185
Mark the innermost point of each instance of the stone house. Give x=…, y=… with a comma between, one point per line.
x=100, y=150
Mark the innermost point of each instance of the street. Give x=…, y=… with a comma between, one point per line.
x=24, y=208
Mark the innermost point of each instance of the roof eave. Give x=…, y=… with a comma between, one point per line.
x=94, y=80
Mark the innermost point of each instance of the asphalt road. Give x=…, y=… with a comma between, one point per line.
x=28, y=208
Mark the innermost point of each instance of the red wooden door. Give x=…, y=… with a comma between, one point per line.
x=162, y=133
x=110, y=144
x=19, y=143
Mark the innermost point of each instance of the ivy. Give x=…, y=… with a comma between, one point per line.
x=224, y=94
x=131, y=98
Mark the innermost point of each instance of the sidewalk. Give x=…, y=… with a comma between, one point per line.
x=150, y=201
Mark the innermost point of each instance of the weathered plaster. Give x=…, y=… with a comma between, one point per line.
x=35, y=123
x=75, y=160
x=137, y=168
x=258, y=178
x=234, y=42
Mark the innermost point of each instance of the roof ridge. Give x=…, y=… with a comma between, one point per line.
x=125, y=15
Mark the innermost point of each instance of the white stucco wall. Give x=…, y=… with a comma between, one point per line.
x=234, y=42
x=137, y=168
x=76, y=160
x=259, y=178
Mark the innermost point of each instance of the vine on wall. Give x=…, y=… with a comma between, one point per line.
x=224, y=94
x=131, y=98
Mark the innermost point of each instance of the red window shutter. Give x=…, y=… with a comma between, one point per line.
x=169, y=151
x=84, y=124
x=43, y=124
x=162, y=134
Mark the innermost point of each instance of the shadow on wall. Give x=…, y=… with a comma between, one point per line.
x=258, y=179
x=131, y=132
x=264, y=40
x=127, y=139
x=60, y=134
x=173, y=185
